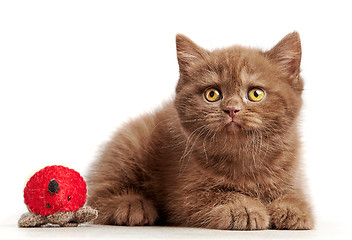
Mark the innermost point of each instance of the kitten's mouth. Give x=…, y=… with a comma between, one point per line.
x=232, y=124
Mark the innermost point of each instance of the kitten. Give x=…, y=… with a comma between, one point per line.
x=224, y=154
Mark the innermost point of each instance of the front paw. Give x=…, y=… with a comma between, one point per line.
x=249, y=214
x=291, y=214
x=126, y=209
x=134, y=211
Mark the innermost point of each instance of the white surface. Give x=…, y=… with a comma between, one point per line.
x=326, y=229
x=72, y=71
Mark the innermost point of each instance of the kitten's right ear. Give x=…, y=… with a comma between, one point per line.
x=187, y=52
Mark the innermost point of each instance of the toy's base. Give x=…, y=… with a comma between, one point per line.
x=62, y=219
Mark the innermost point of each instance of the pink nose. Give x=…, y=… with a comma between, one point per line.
x=231, y=111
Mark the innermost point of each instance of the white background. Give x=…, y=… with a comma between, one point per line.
x=72, y=71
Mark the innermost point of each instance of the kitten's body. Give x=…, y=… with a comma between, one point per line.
x=192, y=163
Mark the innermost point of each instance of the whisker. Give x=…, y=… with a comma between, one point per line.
x=213, y=137
x=284, y=144
x=187, y=145
x=195, y=120
x=205, y=151
x=189, y=152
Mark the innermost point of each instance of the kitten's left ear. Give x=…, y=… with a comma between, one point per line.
x=287, y=54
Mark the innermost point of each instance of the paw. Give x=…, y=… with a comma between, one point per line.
x=290, y=215
x=244, y=215
x=131, y=210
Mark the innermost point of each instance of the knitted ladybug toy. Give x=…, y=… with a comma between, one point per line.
x=56, y=195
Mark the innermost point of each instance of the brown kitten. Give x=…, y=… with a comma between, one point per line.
x=224, y=154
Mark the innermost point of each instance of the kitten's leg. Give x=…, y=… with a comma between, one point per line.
x=244, y=213
x=290, y=212
x=129, y=208
x=232, y=211
x=117, y=182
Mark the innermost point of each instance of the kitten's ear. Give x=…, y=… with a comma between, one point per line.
x=287, y=54
x=187, y=52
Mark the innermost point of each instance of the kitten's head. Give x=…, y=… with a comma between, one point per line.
x=234, y=91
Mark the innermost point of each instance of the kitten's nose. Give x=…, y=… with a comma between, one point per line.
x=231, y=111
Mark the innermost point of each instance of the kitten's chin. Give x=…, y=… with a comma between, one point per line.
x=232, y=127
x=232, y=124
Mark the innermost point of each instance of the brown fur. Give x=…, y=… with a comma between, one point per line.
x=184, y=165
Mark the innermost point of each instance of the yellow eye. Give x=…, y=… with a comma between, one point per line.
x=212, y=95
x=255, y=94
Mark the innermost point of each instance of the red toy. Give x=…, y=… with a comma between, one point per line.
x=56, y=195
